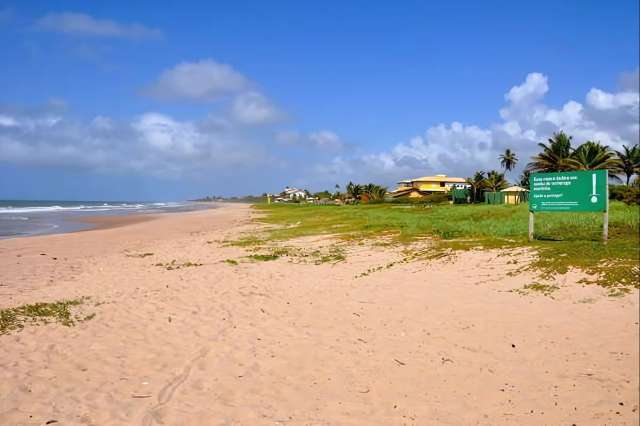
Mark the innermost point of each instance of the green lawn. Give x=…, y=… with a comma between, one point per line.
x=564, y=239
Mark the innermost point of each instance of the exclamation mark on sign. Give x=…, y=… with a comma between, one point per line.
x=594, y=196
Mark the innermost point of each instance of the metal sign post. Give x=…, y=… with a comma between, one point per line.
x=580, y=191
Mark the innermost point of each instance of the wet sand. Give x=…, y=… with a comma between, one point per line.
x=106, y=222
x=291, y=342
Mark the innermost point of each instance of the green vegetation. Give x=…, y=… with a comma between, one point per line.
x=263, y=257
x=545, y=289
x=629, y=161
x=140, y=255
x=173, y=265
x=231, y=262
x=565, y=241
x=558, y=156
x=14, y=319
x=508, y=160
x=627, y=194
x=368, y=192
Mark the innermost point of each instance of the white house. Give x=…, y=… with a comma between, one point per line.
x=290, y=194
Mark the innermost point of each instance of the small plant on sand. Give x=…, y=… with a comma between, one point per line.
x=14, y=319
x=618, y=291
x=334, y=255
x=545, y=289
x=231, y=262
x=173, y=265
x=140, y=255
x=369, y=271
x=248, y=241
x=263, y=257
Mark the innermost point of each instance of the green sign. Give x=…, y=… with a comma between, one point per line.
x=583, y=191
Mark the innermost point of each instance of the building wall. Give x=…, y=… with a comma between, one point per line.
x=514, y=197
x=431, y=186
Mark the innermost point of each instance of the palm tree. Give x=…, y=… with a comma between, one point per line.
x=524, y=179
x=508, y=160
x=374, y=192
x=593, y=156
x=476, y=183
x=380, y=192
x=353, y=190
x=629, y=161
x=555, y=156
x=495, y=181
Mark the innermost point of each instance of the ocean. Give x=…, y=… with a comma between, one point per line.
x=19, y=218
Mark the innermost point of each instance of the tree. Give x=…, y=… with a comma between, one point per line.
x=476, y=183
x=353, y=190
x=495, y=181
x=322, y=195
x=555, y=157
x=508, y=160
x=594, y=156
x=524, y=179
x=629, y=161
x=374, y=192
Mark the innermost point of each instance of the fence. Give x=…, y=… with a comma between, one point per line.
x=460, y=196
x=506, y=197
x=494, y=197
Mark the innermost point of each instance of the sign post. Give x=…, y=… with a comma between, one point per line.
x=579, y=191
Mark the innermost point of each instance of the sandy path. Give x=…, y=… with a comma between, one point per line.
x=302, y=344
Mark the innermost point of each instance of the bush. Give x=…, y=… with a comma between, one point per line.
x=436, y=198
x=627, y=194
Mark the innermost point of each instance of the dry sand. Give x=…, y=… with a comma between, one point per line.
x=281, y=342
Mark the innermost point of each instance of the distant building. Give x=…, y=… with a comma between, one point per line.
x=419, y=187
x=290, y=194
x=515, y=195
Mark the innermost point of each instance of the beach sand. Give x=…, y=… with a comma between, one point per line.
x=294, y=343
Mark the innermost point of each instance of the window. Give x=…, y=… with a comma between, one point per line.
x=442, y=184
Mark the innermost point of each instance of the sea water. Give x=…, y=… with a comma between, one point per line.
x=35, y=217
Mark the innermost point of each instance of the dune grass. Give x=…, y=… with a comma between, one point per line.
x=14, y=319
x=563, y=240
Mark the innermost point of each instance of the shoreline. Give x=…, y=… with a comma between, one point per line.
x=114, y=221
x=58, y=223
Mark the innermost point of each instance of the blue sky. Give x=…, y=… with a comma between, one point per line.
x=112, y=100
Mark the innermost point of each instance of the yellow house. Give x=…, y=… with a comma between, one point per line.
x=515, y=195
x=426, y=185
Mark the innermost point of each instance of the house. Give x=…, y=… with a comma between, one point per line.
x=515, y=195
x=426, y=185
x=291, y=194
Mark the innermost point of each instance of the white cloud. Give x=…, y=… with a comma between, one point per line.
x=151, y=144
x=228, y=143
x=601, y=100
x=205, y=80
x=253, y=108
x=81, y=24
x=534, y=87
x=460, y=149
x=326, y=140
x=7, y=121
x=320, y=141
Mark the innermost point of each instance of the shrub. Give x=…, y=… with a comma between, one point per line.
x=436, y=198
x=627, y=194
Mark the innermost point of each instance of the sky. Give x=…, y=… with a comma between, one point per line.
x=171, y=101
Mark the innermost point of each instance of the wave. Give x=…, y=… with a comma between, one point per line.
x=16, y=218
x=86, y=208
